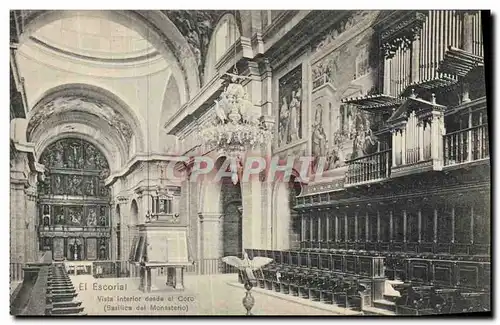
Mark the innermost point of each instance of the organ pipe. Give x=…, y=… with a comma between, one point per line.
x=440, y=30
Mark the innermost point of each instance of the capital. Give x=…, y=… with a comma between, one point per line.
x=210, y=216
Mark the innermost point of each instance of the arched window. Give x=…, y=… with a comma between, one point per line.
x=225, y=35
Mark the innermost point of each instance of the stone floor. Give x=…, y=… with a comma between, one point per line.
x=203, y=295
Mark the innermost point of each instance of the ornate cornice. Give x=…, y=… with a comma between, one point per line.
x=400, y=28
x=122, y=199
x=296, y=41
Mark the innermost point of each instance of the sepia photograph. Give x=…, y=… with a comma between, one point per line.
x=250, y=163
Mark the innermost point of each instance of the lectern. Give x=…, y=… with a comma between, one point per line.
x=161, y=243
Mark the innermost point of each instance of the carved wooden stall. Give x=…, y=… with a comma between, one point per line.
x=416, y=208
x=73, y=202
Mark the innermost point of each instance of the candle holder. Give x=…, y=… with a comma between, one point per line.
x=246, y=268
x=249, y=282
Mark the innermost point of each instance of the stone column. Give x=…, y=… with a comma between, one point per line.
x=112, y=252
x=17, y=215
x=31, y=247
x=211, y=248
x=251, y=192
x=124, y=245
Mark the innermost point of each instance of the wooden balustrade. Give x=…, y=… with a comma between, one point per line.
x=371, y=168
x=466, y=145
x=111, y=269
x=30, y=297
x=210, y=266
x=16, y=272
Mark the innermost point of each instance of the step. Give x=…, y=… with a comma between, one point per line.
x=64, y=304
x=62, y=286
x=63, y=297
x=57, y=292
x=66, y=310
x=55, y=283
x=385, y=304
x=373, y=311
x=82, y=313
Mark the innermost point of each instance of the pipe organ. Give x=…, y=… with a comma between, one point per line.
x=413, y=56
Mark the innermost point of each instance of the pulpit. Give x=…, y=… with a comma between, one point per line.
x=161, y=243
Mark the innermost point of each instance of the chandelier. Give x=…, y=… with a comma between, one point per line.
x=237, y=127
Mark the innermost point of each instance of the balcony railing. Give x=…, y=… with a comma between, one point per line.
x=466, y=145
x=371, y=168
x=320, y=81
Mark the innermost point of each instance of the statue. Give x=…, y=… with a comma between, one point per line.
x=102, y=251
x=246, y=268
x=58, y=155
x=284, y=122
x=75, y=217
x=92, y=218
x=294, y=116
x=57, y=183
x=46, y=216
x=90, y=187
x=90, y=157
x=102, y=220
x=318, y=135
x=60, y=219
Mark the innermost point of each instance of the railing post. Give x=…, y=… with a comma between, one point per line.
x=403, y=146
x=469, y=138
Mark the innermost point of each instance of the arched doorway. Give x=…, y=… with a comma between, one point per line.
x=134, y=212
x=73, y=202
x=221, y=224
x=232, y=212
x=232, y=226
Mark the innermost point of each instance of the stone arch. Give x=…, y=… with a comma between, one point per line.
x=118, y=214
x=106, y=147
x=134, y=212
x=94, y=93
x=210, y=191
x=171, y=103
x=153, y=25
x=211, y=57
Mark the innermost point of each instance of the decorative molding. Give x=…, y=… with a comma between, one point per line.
x=210, y=216
x=64, y=104
x=197, y=26
x=402, y=28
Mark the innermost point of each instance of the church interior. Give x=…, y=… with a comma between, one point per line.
x=392, y=106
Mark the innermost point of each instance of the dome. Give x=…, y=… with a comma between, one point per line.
x=93, y=38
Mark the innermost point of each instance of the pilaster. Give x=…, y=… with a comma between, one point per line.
x=211, y=235
x=251, y=192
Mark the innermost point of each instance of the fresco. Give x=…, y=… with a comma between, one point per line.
x=340, y=131
x=290, y=107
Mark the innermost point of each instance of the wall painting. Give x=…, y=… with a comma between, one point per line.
x=290, y=107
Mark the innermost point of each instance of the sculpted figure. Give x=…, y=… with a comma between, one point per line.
x=294, y=116
x=284, y=122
